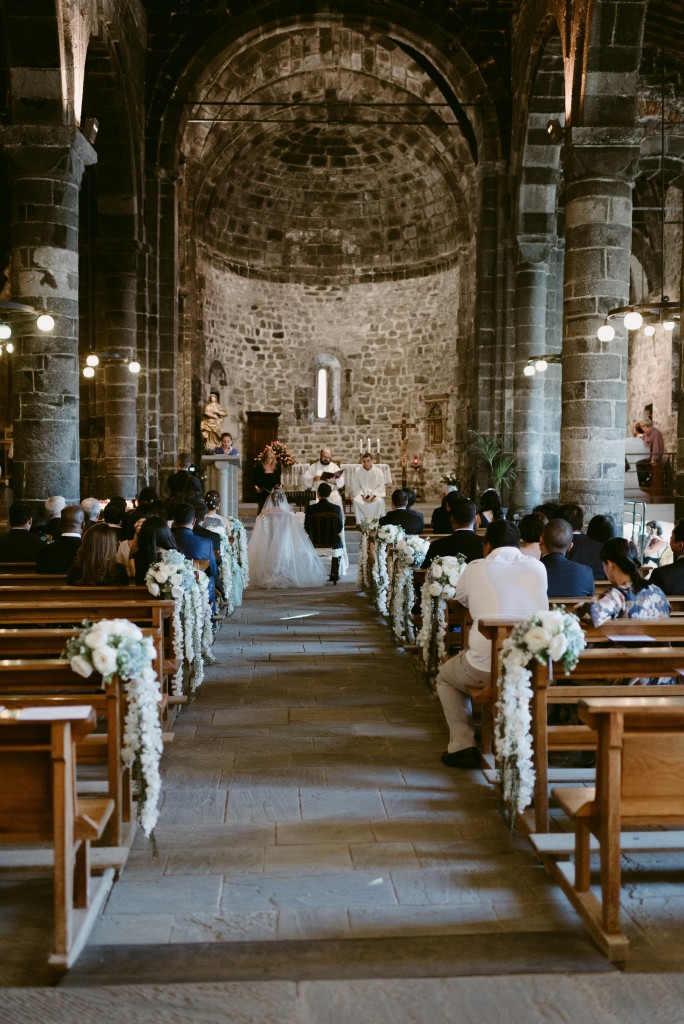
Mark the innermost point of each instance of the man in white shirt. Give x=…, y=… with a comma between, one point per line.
x=326, y=471
x=368, y=489
x=505, y=582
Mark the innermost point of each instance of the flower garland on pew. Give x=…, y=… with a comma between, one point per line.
x=438, y=588
x=116, y=647
x=174, y=577
x=364, y=579
x=385, y=535
x=547, y=636
x=408, y=555
x=237, y=536
x=228, y=572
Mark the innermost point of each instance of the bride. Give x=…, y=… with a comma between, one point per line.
x=280, y=552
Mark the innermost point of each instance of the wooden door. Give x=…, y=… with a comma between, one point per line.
x=262, y=428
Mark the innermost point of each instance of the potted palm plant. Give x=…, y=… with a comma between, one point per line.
x=500, y=463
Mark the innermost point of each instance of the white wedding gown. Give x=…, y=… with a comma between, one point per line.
x=280, y=552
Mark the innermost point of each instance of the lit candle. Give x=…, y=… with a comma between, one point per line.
x=368, y=448
x=360, y=446
x=377, y=446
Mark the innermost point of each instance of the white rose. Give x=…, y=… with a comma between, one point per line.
x=104, y=660
x=558, y=646
x=81, y=666
x=154, y=589
x=551, y=621
x=176, y=591
x=448, y=593
x=536, y=638
x=435, y=590
x=97, y=637
x=436, y=570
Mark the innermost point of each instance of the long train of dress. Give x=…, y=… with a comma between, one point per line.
x=281, y=554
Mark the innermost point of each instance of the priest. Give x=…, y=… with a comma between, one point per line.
x=368, y=489
x=328, y=472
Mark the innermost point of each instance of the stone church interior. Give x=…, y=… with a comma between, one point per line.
x=421, y=230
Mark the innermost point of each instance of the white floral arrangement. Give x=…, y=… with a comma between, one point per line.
x=384, y=536
x=547, y=636
x=228, y=571
x=364, y=578
x=409, y=554
x=438, y=588
x=118, y=648
x=237, y=535
x=174, y=577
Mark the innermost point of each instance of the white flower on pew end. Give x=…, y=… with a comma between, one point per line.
x=409, y=554
x=556, y=636
x=380, y=580
x=438, y=588
x=368, y=528
x=118, y=648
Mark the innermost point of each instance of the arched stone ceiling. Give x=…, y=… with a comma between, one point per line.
x=326, y=154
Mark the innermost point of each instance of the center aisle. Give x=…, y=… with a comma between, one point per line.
x=304, y=799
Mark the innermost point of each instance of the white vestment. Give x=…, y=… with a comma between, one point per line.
x=317, y=469
x=367, y=482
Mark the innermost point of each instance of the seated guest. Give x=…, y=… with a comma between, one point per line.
x=411, y=497
x=193, y=546
x=368, y=489
x=113, y=514
x=409, y=520
x=565, y=578
x=489, y=508
x=441, y=517
x=146, y=498
x=183, y=483
x=20, y=545
x=59, y=556
x=531, y=527
x=462, y=540
x=504, y=582
x=586, y=548
x=152, y=537
x=631, y=596
x=549, y=509
x=92, y=509
x=201, y=530
x=95, y=564
x=214, y=520
x=51, y=527
x=226, y=447
x=656, y=545
x=324, y=504
x=670, y=578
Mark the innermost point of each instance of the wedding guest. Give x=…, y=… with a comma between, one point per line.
x=670, y=578
x=58, y=557
x=441, y=516
x=531, y=527
x=409, y=520
x=51, y=527
x=146, y=498
x=20, y=545
x=213, y=520
x=462, y=540
x=489, y=509
x=655, y=545
x=565, y=578
x=92, y=508
x=152, y=537
x=631, y=596
x=95, y=564
x=267, y=475
x=183, y=483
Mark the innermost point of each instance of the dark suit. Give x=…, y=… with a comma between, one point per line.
x=670, y=578
x=322, y=506
x=20, y=546
x=587, y=552
x=192, y=546
x=441, y=520
x=181, y=484
x=566, y=578
x=409, y=520
x=460, y=542
x=59, y=556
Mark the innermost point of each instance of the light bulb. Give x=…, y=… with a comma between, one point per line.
x=606, y=332
x=92, y=360
x=649, y=330
x=633, y=320
x=541, y=365
x=134, y=366
x=5, y=332
x=668, y=325
x=9, y=347
x=45, y=322
x=0, y=350
x=529, y=370
x=88, y=371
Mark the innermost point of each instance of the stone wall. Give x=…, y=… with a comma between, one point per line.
x=396, y=343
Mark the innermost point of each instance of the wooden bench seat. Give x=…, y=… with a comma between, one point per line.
x=38, y=803
x=639, y=783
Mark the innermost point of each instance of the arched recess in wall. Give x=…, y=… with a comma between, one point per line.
x=325, y=389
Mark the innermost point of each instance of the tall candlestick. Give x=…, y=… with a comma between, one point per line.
x=360, y=446
x=377, y=446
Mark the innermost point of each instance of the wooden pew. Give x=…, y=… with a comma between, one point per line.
x=31, y=579
x=52, y=680
x=639, y=783
x=38, y=803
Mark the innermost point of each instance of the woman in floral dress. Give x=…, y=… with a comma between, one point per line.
x=631, y=596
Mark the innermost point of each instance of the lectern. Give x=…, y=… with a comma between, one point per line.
x=222, y=476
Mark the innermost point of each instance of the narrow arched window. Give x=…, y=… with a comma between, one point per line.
x=322, y=393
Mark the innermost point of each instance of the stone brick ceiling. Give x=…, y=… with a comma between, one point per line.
x=326, y=154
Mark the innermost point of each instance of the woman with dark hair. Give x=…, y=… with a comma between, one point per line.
x=96, y=564
x=631, y=596
x=655, y=546
x=214, y=521
x=153, y=537
x=531, y=527
x=601, y=528
x=489, y=509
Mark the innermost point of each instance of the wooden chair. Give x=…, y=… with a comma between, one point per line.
x=324, y=529
x=38, y=803
x=639, y=783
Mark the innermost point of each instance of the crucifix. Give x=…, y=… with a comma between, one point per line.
x=404, y=427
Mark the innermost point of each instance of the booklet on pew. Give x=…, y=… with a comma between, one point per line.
x=46, y=714
x=630, y=638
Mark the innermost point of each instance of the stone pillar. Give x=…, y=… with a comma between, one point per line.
x=46, y=166
x=599, y=167
x=120, y=385
x=531, y=277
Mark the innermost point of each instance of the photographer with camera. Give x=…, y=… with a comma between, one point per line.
x=184, y=482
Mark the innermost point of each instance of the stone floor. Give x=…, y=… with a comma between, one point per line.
x=313, y=852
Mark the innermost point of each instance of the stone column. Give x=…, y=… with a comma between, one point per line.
x=120, y=385
x=46, y=166
x=599, y=167
x=531, y=276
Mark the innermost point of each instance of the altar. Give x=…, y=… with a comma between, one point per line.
x=223, y=476
x=293, y=476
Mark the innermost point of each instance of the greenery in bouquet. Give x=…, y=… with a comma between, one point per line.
x=284, y=456
x=547, y=636
x=439, y=587
x=237, y=535
x=368, y=528
x=409, y=553
x=384, y=536
x=116, y=648
x=450, y=479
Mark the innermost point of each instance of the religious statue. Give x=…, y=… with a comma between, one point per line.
x=211, y=423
